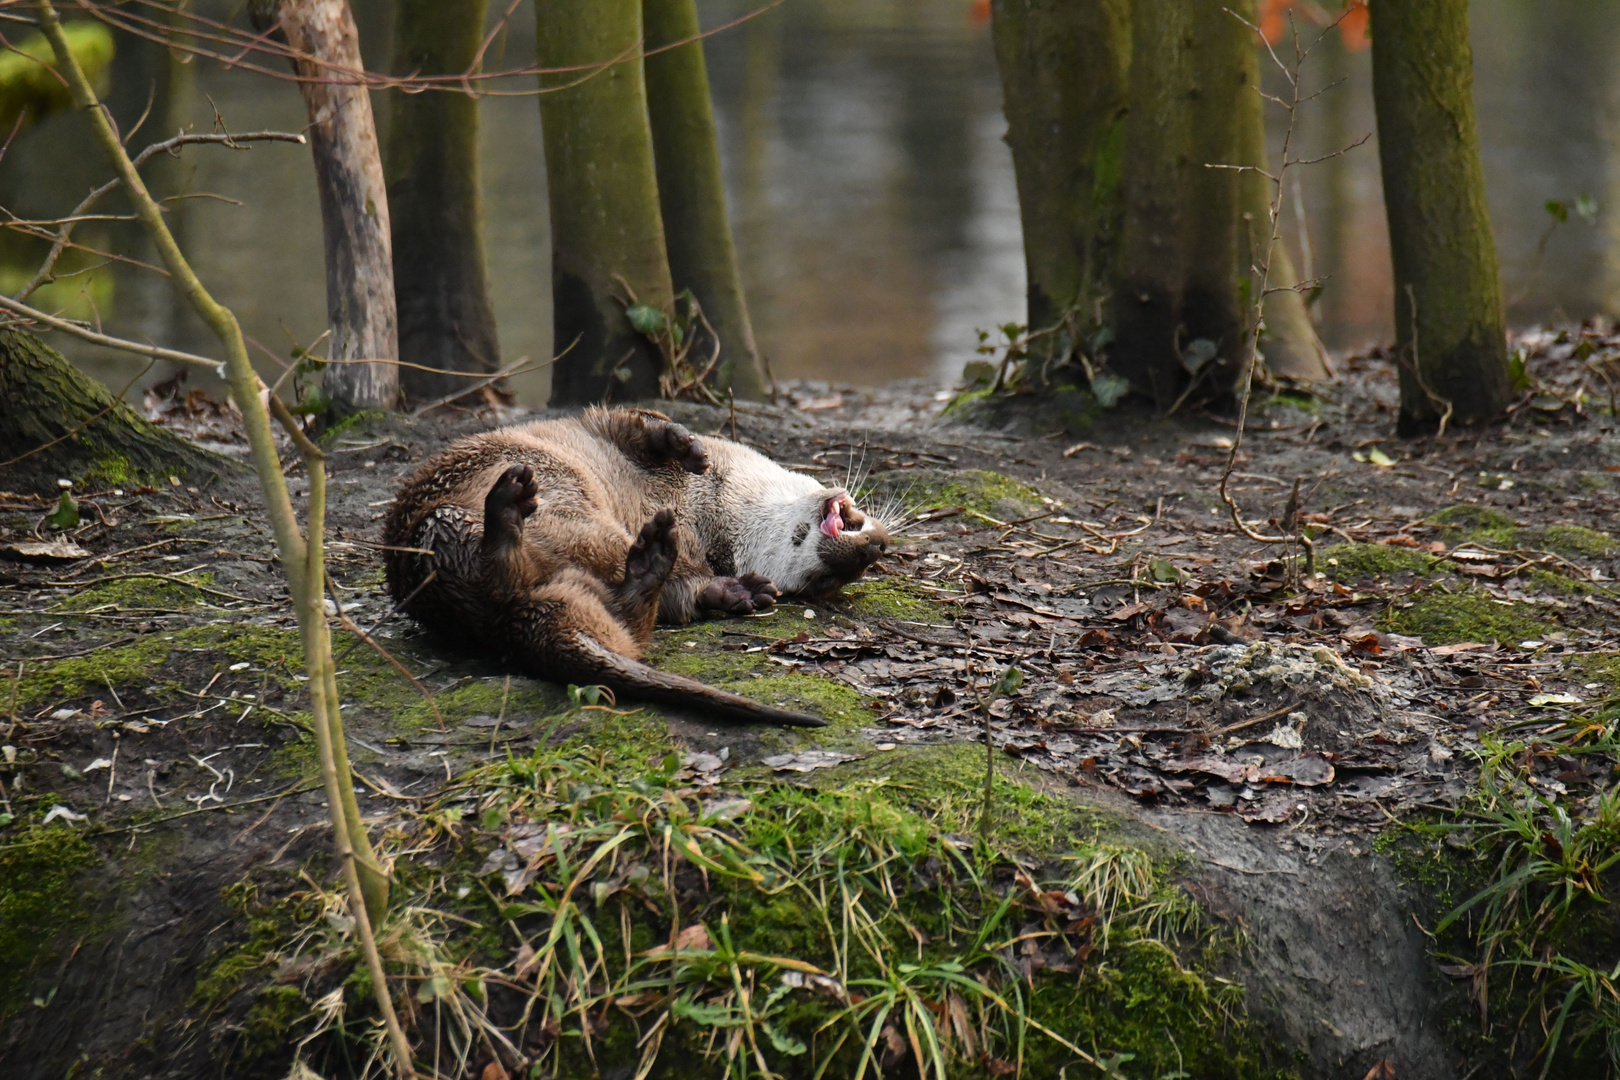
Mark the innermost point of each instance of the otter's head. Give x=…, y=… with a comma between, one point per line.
x=820, y=541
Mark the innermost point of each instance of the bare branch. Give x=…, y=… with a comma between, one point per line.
x=1326, y=157
x=1289, y=75
x=167, y=146
x=67, y=326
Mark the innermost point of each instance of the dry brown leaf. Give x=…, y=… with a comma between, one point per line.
x=694, y=938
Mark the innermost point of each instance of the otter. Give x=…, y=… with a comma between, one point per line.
x=559, y=544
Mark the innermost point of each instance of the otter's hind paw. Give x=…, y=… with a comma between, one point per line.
x=652, y=556
x=739, y=596
x=509, y=502
x=672, y=442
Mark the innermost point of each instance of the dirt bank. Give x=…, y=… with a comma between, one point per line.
x=1248, y=735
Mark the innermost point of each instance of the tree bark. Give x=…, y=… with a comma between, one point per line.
x=435, y=203
x=605, y=221
x=1449, y=326
x=1289, y=343
x=360, y=309
x=1221, y=51
x=1154, y=249
x=60, y=424
x=1064, y=77
x=691, y=195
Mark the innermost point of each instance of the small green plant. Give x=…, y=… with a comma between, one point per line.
x=1550, y=861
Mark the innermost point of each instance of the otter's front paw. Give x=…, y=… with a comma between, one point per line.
x=739, y=596
x=510, y=502
x=648, y=563
x=672, y=442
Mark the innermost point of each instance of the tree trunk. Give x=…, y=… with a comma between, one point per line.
x=1154, y=249
x=354, y=205
x=1449, y=329
x=60, y=424
x=605, y=222
x=1221, y=51
x=435, y=203
x=1064, y=71
x=691, y=196
x=1290, y=344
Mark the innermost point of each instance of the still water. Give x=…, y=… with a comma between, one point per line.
x=871, y=192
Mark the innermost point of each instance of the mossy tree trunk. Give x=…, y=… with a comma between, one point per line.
x=605, y=221
x=30, y=89
x=1064, y=69
x=1221, y=51
x=360, y=308
x=1154, y=238
x=691, y=196
x=60, y=424
x=435, y=203
x=1449, y=325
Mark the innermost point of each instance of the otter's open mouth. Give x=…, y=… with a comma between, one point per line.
x=834, y=512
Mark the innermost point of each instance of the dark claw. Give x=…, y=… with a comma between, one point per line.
x=738, y=596
x=652, y=556
x=674, y=443
x=511, y=501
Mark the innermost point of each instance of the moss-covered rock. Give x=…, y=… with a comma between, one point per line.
x=1443, y=618
x=1347, y=562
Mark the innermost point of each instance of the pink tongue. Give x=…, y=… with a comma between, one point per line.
x=833, y=523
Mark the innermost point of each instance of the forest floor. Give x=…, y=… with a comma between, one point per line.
x=1274, y=737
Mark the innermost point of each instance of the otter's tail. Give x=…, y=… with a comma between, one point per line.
x=587, y=660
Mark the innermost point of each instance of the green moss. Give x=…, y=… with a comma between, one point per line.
x=1293, y=399
x=819, y=694
x=1442, y=618
x=1573, y=541
x=273, y=1020
x=1482, y=524
x=625, y=741
x=1348, y=561
x=355, y=423
x=964, y=401
x=40, y=901
x=945, y=785
x=978, y=490
x=125, y=665
x=111, y=469
x=141, y=662
x=1487, y=525
x=892, y=598
x=138, y=593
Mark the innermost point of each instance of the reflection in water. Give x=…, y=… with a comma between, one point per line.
x=871, y=191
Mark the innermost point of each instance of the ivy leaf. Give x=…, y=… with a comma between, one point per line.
x=785, y=1044
x=1109, y=389
x=66, y=514
x=1010, y=680
x=435, y=987
x=646, y=319
x=1199, y=351
x=1379, y=458
x=1163, y=570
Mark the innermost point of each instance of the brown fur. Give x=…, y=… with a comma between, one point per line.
x=561, y=543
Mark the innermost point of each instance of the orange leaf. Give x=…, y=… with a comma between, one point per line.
x=1353, y=27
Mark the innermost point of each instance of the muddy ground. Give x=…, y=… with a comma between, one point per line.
x=1262, y=723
